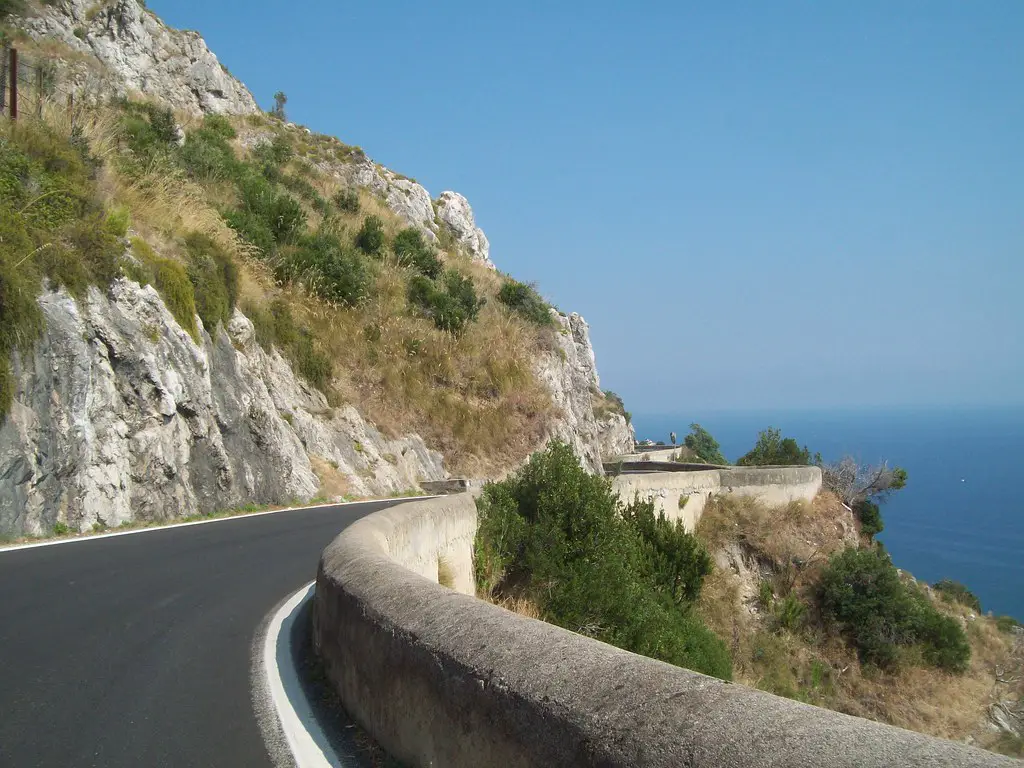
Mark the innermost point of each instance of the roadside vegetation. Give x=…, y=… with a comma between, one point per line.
x=218, y=213
x=816, y=611
x=558, y=540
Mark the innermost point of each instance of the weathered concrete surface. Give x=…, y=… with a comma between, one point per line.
x=443, y=679
x=668, y=489
x=772, y=485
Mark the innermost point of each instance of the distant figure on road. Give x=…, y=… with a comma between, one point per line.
x=672, y=437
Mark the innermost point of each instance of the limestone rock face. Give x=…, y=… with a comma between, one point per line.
x=570, y=373
x=455, y=213
x=412, y=202
x=119, y=415
x=138, y=52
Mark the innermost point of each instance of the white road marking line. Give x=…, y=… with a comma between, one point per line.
x=112, y=534
x=309, y=746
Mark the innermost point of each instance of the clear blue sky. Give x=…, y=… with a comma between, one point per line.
x=755, y=205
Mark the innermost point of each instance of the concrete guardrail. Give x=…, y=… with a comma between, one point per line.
x=440, y=678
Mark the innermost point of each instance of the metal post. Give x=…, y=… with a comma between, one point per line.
x=14, y=83
x=4, y=56
x=39, y=92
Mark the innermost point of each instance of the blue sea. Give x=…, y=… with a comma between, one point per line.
x=961, y=515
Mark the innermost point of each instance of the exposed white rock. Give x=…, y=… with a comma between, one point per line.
x=412, y=202
x=570, y=374
x=455, y=213
x=138, y=52
x=119, y=415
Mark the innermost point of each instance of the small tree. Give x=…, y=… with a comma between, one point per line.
x=862, y=487
x=704, y=445
x=773, y=448
x=280, y=99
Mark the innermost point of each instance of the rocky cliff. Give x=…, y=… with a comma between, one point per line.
x=120, y=414
x=131, y=50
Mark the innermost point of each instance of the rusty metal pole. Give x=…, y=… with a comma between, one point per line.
x=14, y=83
x=39, y=92
x=4, y=57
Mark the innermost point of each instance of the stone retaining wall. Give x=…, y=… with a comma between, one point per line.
x=440, y=678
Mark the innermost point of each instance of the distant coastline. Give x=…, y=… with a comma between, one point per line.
x=960, y=516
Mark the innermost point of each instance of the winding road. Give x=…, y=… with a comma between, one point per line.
x=135, y=650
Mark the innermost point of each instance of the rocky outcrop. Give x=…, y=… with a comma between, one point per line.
x=570, y=373
x=137, y=52
x=120, y=415
x=454, y=211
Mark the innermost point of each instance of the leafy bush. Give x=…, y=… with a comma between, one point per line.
x=1006, y=623
x=214, y=279
x=870, y=517
x=451, y=306
x=789, y=613
x=207, y=156
x=772, y=448
x=704, y=445
x=862, y=593
x=561, y=537
x=412, y=250
x=328, y=268
x=524, y=300
x=370, y=238
x=150, y=130
x=957, y=593
x=170, y=279
x=347, y=201
x=676, y=561
x=276, y=212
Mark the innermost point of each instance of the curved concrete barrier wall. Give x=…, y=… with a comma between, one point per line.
x=440, y=678
x=772, y=485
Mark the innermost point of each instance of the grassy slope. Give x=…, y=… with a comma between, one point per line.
x=812, y=664
x=473, y=396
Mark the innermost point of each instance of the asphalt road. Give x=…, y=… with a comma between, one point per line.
x=135, y=650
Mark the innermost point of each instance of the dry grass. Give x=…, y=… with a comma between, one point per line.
x=520, y=605
x=445, y=573
x=475, y=398
x=817, y=667
x=333, y=483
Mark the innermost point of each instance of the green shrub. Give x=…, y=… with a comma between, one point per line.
x=524, y=300
x=220, y=125
x=61, y=529
x=276, y=327
x=957, y=593
x=99, y=251
x=862, y=593
x=675, y=561
x=789, y=613
x=451, y=306
x=307, y=191
x=772, y=448
x=172, y=283
x=207, y=156
x=559, y=535
x=870, y=516
x=1006, y=623
x=149, y=130
x=252, y=228
x=277, y=212
x=370, y=238
x=328, y=268
x=274, y=153
x=617, y=405
x=704, y=445
x=118, y=221
x=412, y=250
x=347, y=201
x=214, y=278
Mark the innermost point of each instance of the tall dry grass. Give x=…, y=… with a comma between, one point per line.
x=813, y=665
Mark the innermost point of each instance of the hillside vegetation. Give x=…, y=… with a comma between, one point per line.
x=253, y=213
x=811, y=610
